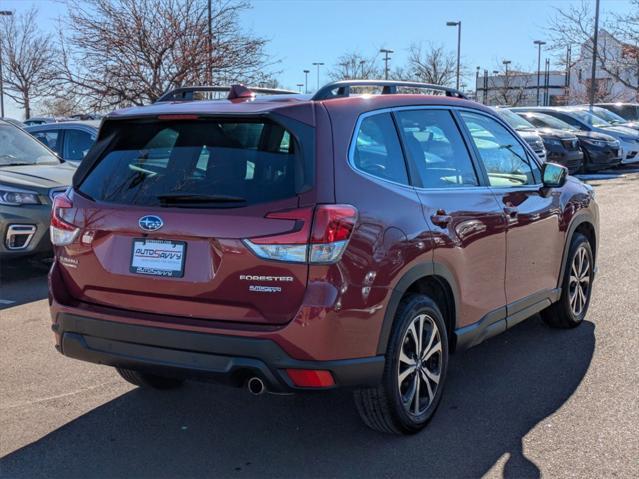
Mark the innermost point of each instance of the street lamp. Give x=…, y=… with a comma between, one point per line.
x=318, y=65
x=477, y=83
x=386, y=52
x=362, y=63
x=300, y=85
x=306, y=72
x=458, y=25
x=345, y=65
x=3, y=13
x=539, y=43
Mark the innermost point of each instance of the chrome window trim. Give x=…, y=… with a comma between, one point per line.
x=363, y=116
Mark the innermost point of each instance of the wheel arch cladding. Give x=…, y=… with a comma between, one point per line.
x=582, y=223
x=432, y=279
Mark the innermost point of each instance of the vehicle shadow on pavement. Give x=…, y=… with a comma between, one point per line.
x=496, y=393
x=22, y=281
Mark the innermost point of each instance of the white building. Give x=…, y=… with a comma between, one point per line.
x=617, y=59
x=520, y=88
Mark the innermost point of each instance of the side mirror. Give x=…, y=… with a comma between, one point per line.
x=554, y=175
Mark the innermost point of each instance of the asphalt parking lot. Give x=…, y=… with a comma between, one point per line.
x=530, y=402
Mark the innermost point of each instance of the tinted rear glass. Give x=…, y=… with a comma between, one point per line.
x=232, y=163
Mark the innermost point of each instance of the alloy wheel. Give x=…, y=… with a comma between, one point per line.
x=419, y=365
x=579, y=283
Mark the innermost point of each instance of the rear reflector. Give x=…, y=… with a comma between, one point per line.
x=311, y=378
x=323, y=242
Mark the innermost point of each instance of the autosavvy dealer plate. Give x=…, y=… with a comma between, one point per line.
x=158, y=257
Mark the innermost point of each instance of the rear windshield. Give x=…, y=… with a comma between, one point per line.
x=206, y=163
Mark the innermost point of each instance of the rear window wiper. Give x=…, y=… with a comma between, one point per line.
x=173, y=198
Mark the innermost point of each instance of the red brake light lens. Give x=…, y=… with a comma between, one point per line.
x=333, y=223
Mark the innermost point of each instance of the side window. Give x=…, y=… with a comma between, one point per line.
x=50, y=139
x=377, y=149
x=435, y=147
x=77, y=144
x=505, y=160
x=568, y=119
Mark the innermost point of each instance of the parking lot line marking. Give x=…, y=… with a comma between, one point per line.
x=6, y=301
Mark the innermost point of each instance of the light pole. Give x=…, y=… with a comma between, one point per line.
x=506, y=63
x=209, y=41
x=3, y=13
x=306, y=72
x=345, y=66
x=595, y=40
x=300, y=85
x=318, y=65
x=476, y=84
x=386, y=52
x=458, y=25
x=362, y=63
x=539, y=43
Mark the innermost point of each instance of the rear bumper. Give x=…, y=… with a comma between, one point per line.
x=227, y=359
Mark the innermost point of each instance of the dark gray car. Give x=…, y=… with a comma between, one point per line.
x=30, y=176
x=71, y=140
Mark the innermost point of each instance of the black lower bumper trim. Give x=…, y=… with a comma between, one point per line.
x=227, y=359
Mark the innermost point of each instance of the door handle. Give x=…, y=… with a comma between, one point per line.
x=441, y=219
x=511, y=212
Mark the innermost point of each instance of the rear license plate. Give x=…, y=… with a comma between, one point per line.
x=158, y=257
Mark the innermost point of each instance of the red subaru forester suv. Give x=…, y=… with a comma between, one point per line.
x=289, y=243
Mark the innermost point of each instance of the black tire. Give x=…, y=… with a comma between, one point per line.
x=382, y=408
x=149, y=381
x=562, y=314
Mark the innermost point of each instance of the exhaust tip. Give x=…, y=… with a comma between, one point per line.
x=256, y=386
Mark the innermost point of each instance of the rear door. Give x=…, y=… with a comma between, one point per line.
x=467, y=224
x=534, y=240
x=164, y=211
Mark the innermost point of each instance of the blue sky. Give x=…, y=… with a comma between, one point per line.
x=304, y=31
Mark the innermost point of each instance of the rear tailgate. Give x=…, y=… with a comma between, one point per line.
x=163, y=212
x=221, y=279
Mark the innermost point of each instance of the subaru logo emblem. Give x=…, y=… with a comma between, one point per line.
x=150, y=223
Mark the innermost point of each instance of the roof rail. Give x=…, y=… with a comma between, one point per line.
x=187, y=93
x=340, y=89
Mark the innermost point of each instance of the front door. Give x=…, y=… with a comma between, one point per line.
x=534, y=243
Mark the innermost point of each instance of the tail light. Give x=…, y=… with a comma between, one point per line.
x=319, y=236
x=62, y=232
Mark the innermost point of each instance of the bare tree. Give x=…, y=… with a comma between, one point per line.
x=27, y=54
x=354, y=65
x=59, y=106
x=509, y=88
x=430, y=64
x=128, y=52
x=617, y=49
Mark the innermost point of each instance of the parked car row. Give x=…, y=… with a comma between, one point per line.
x=578, y=137
x=594, y=120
